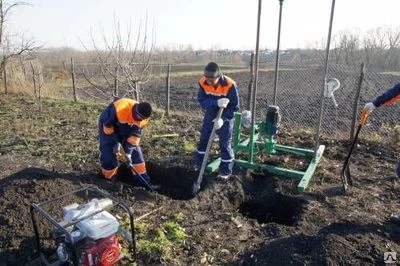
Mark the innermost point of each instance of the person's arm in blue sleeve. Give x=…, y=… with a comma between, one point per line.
x=205, y=101
x=109, y=121
x=134, y=139
x=233, y=105
x=390, y=96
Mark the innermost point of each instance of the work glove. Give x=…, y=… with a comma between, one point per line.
x=218, y=123
x=369, y=107
x=128, y=161
x=116, y=148
x=223, y=102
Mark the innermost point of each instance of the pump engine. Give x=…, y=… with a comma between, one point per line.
x=93, y=240
x=272, y=121
x=269, y=128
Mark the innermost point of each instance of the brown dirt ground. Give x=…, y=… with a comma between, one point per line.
x=45, y=154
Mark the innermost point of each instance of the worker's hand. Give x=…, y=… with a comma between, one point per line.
x=218, y=123
x=116, y=148
x=128, y=159
x=369, y=107
x=223, y=102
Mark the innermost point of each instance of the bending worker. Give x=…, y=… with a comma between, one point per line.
x=120, y=126
x=217, y=90
x=389, y=97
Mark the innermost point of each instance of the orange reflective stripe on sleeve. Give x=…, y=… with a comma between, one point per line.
x=139, y=168
x=109, y=173
x=108, y=130
x=133, y=140
x=392, y=101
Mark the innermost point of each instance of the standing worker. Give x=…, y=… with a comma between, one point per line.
x=389, y=97
x=121, y=126
x=216, y=91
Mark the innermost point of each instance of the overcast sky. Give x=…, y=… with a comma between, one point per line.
x=224, y=24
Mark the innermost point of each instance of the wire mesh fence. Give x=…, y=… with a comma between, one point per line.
x=298, y=96
x=299, y=90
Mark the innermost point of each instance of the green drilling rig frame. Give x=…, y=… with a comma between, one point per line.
x=261, y=141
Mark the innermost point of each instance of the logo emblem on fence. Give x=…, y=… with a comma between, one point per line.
x=390, y=257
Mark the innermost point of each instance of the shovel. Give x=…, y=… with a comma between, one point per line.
x=345, y=173
x=197, y=184
x=121, y=156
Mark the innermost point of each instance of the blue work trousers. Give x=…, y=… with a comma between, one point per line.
x=225, y=144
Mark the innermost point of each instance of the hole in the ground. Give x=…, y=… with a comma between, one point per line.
x=175, y=181
x=275, y=207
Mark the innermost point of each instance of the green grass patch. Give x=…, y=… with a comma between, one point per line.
x=157, y=242
x=173, y=231
x=179, y=217
x=188, y=146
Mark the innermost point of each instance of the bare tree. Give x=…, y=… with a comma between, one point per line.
x=393, y=51
x=379, y=48
x=346, y=47
x=11, y=46
x=374, y=45
x=123, y=62
x=317, y=49
x=38, y=82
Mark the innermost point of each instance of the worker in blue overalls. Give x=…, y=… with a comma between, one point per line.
x=391, y=96
x=216, y=91
x=121, y=126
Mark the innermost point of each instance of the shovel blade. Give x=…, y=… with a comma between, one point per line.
x=195, y=189
x=346, y=178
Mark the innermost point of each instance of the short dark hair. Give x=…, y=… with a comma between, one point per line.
x=212, y=70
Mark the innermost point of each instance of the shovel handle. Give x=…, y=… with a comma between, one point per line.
x=210, y=140
x=121, y=155
x=345, y=173
x=142, y=178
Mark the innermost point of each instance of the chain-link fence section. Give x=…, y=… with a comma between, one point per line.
x=298, y=92
x=298, y=96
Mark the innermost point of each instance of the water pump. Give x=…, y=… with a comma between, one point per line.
x=88, y=233
x=95, y=237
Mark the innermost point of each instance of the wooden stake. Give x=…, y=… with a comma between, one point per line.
x=147, y=214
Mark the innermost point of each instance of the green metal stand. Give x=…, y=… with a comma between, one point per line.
x=269, y=146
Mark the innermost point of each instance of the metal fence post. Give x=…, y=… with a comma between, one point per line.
x=248, y=106
x=73, y=79
x=34, y=80
x=356, y=101
x=168, y=92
